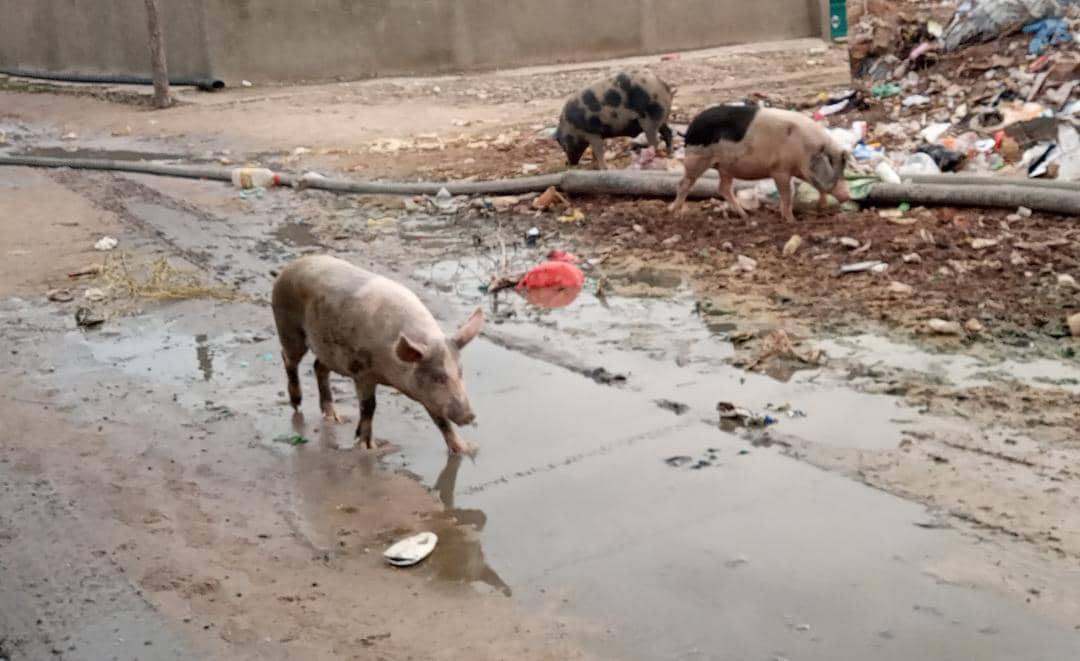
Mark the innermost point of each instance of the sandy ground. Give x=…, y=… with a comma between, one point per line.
x=221, y=544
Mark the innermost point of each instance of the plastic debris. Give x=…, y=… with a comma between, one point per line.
x=942, y=327
x=915, y=100
x=411, y=550
x=945, y=159
x=291, y=439
x=885, y=90
x=87, y=318
x=873, y=266
x=106, y=243
x=738, y=416
x=1047, y=32
x=786, y=409
x=60, y=295
x=989, y=19
x=574, y=216
x=532, y=236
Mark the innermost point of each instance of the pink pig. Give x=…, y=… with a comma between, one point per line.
x=748, y=142
x=376, y=332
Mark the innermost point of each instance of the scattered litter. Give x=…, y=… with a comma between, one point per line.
x=744, y=264
x=671, y=240
x=93, y=269
x=678, y=408
x=291, y=439
x=1073, y=322
x=849, y=242
x=678, y=461
x=549, y=198
x=532, y=236
x=1067, y=281
x=87, y=318
x=94, y=295
x=786, y=409
x=982, y=244
x=792, y=245
x=157, y=281
x=1047, y=32
x=71, y=135
x=411, y=550
x=942, y=327
x=778, y=343
x=60, y=295
x=574, y=216
x=249, y=178
x=742, y=417
x=873, y=266
x=246, y=83
x=604, y=377
x=900, y=289
x=973, y=326
x=946, y=160
x=915, y=100
x=529, y=168
x=885, y=90
x=106, y=243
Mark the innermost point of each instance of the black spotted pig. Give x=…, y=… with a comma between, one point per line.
x=624, y=105
x=749, y=142
x=376, y=332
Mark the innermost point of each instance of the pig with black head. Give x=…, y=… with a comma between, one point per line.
x=625, y=105
x=750, y=142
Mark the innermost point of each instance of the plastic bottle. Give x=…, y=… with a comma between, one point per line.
x=254, y=178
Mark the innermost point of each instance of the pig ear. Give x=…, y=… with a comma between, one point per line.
x=469, y=329
x=408, y=351
x=821, y=172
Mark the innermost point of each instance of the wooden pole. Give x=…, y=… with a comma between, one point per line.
x=157, y=55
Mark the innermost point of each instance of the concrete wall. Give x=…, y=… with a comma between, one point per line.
x=99, y=36
x=288, y=40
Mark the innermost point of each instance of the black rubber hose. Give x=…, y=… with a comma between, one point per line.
x=205, y=84
x=967, y=195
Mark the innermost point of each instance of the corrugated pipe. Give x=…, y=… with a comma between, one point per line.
x=205, y=84
x=937, y=190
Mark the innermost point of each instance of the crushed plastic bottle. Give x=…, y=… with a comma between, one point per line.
x=918, y=163
x=245, y=178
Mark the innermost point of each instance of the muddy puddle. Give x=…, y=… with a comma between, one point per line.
x=106, y=154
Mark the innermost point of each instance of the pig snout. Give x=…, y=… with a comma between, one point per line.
x=462, y=416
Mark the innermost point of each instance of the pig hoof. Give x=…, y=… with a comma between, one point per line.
x=463, y=447
x=330, y=414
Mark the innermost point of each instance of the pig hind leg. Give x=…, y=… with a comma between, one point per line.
x=326, y=396
x=365, y=392
x=596, y=143
x=783, y=184
x=668, y=137
x=293, y=348
x=695, y=165
x=727, y=191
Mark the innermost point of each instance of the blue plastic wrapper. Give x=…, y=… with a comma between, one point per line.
x=1048, y=31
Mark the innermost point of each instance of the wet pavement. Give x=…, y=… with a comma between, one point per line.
x=580, y=499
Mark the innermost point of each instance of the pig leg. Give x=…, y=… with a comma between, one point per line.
x=669, y=138
x=365, y=392
x=727, y=191
x=823, y=201
x=652, y=134
x=450, y=435
x=597, y=145
x=326, y=397
x=695, y=165
x=783, y=184
x=293, y=348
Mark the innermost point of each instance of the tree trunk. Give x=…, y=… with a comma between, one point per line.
x=157, y=55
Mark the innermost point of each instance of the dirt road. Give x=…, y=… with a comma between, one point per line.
x=923, y=507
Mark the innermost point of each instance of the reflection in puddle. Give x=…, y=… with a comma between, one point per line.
x=297, y=235
x=204, y=355
x=460, y=557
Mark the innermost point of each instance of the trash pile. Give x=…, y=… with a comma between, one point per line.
x=975, y=86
